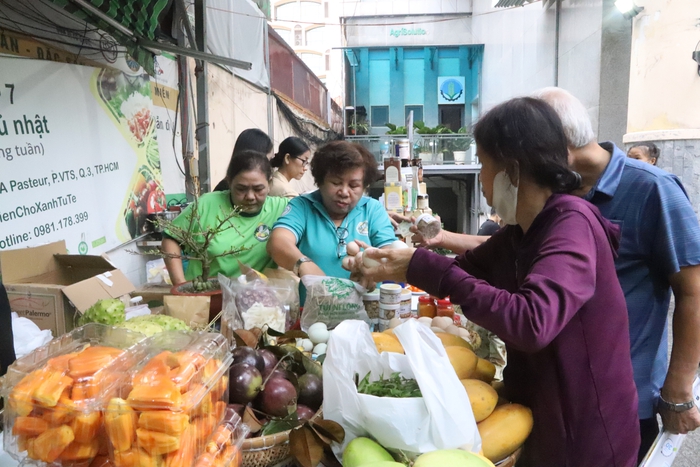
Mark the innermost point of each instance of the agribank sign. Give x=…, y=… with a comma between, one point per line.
x=79, y=156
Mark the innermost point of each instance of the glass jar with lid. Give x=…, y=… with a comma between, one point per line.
x=445, y=308
x=426, y=307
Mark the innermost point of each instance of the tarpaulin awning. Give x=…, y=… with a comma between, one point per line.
x=141, y=17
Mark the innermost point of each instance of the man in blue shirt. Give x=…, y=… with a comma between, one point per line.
x=312, y=235
x=659, y=253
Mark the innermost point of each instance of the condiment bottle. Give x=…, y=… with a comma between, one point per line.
x=445, y=308
x=426, y=307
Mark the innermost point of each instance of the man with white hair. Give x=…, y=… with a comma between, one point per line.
x=659, y=253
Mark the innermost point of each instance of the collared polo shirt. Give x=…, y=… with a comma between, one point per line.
x=318, y=237
x=660, y=235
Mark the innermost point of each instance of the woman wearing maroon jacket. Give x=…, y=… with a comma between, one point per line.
x=546, y=285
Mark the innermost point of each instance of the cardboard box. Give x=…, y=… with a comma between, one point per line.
x=47, y=286
x=153, y=294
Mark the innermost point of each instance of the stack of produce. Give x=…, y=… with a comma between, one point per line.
x=503, y=426
x=174, y=399
x=55, y=395
x=224, y=446
x=278, y=390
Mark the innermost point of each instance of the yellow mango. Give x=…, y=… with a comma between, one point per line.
x=482, y=397
x=386, y=343
x=120, y=424
x=485, y=370
x=155, y=442
x=505, y=430
x=165, y=421
x=29, y=426
x=450, y=340
x=463, y=361
x=51, y=443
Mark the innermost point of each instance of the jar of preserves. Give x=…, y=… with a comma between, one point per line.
x=426, y=307
x=445, y=308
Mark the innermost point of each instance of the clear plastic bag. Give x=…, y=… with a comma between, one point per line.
x=239, y=295
x=332, y=300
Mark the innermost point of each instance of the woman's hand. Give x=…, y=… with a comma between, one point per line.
x=393, y=263
x=429, y=243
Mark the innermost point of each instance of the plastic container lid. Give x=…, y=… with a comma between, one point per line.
x=371, y=296
x=390, y=288
x=406, y=294
x=444, y=302
x=425, y=299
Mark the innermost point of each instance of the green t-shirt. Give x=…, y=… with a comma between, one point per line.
x=250, y=232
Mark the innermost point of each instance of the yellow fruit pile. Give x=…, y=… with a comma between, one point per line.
x=503, y=428
x=170, y=412
x=175, y=403
x=55, y=416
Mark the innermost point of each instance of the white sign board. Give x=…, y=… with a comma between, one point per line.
x=451, y=90
x=79, y=157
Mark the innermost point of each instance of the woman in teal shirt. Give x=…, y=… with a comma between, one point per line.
x=312, y=235
x=248, y=176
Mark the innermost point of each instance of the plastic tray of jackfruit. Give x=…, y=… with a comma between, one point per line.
x=96, y=393
x=56, y=393
x=172, y=401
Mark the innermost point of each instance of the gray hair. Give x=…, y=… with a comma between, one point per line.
x=574, y=116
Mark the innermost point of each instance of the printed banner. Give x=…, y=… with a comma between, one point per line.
x=79, y=155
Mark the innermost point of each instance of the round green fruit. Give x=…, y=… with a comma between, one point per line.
x=363, y=451
x=453, y=458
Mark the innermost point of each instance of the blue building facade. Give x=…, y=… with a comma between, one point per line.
x=440, y=84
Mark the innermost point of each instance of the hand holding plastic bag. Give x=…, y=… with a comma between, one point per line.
x=441, y=419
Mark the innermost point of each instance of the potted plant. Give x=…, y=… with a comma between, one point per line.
x=195, y=241
x=361, y=127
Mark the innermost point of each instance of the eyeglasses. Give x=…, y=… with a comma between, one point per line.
x=304, y=162
x=342, y=248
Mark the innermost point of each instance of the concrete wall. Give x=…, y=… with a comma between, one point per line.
x=518, y=50
x=664, y=89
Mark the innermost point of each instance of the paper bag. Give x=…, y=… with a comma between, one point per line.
x=441, y=419
x=193, y=310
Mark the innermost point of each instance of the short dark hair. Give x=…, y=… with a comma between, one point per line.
x=293, y=146
x=337, y=157
x=252, y=139
x=246, y=161
x=651, y=148
x=528, y=132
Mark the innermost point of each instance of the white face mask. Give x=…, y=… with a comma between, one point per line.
x=505, y=198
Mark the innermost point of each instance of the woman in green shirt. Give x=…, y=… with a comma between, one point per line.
x=248, y=177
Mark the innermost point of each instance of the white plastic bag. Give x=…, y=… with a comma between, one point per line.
x=27, y=336
x=441, y=419
x=332, y=300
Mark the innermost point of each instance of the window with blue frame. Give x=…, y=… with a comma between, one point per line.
x=379, y=87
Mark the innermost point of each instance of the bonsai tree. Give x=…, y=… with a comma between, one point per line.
x=195, y=241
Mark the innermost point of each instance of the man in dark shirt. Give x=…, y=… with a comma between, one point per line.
x=491, y=225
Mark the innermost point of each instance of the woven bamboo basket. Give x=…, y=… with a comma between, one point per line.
x=510, y=460
x=269, y=451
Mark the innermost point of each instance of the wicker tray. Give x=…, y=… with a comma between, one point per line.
x=510, y=460
x=269, y=451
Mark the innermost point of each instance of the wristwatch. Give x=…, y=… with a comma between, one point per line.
x=670, y=406
x=300, y=261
